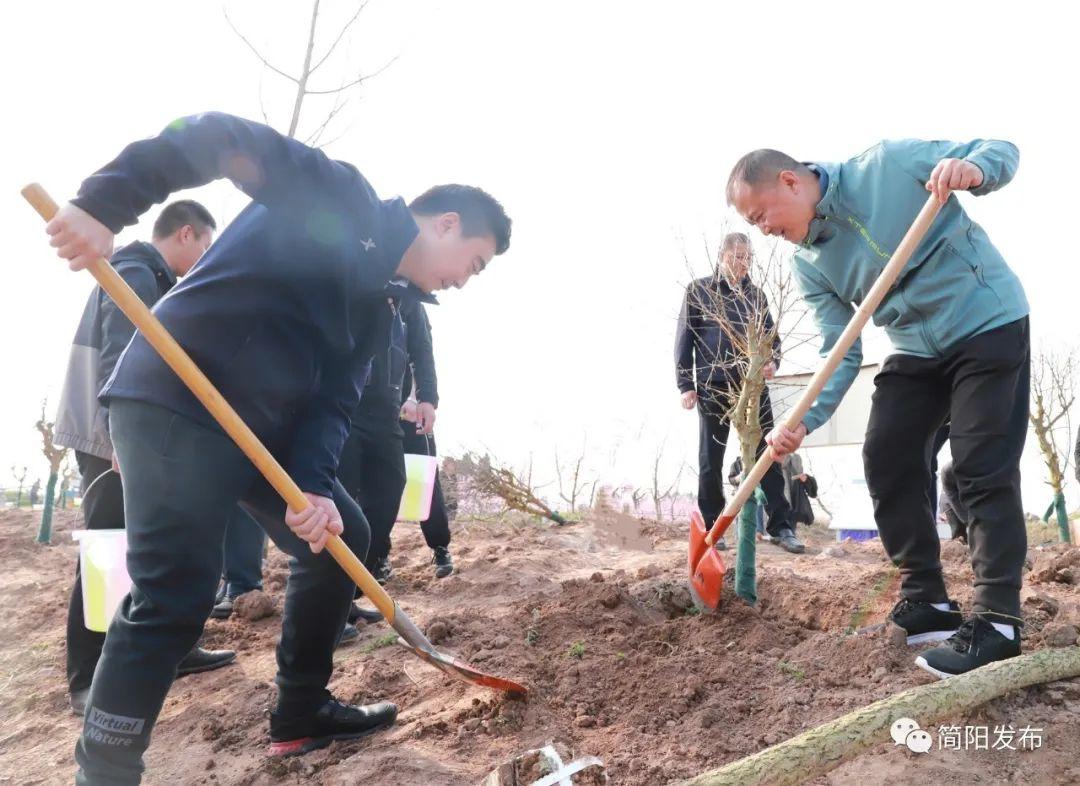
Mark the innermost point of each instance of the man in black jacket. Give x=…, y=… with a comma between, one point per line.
x=279, y=315
x=372, y=466
x=708, y=372
x=418, y=422
x=181, y=235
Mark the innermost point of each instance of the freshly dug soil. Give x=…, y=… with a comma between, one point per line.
x=595, y=618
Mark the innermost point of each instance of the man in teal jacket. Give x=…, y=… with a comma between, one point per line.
x=957, y=319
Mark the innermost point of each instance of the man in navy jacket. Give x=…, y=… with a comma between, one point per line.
x=279, y=316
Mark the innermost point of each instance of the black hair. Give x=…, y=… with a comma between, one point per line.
x=758, y=167
x=480, y=212
x=181, y=213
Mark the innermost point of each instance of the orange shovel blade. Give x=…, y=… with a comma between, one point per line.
x=707, y=573
x=698, y=547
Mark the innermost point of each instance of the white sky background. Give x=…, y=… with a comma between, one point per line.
x=607, y=130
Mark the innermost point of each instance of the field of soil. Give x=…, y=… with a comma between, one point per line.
x=595, y=618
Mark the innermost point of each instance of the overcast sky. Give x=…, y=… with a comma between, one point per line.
x=607, y=130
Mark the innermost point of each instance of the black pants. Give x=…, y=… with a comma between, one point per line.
x=713, y=430
x=941, y=436
x=103, y=508
x=982, y=386
x=245, y=543
x=182, y=481
x=372, y=471
x=436, y=527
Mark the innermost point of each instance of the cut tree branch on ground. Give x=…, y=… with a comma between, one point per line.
x=489, y=478
x=825, y=748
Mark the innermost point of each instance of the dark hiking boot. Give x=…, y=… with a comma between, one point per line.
x=204, y=660
x=367, y=616
x=335, y=720
x=383, y=571
x=78, y=701
x=975, y=644
x=349, y=634
x=924, y=623
x=788, y=542
x=444, y=565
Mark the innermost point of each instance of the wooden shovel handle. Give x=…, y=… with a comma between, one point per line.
x=866, y=309
x=180, y=362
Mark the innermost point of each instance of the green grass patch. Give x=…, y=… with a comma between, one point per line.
x=379, y=643
x=791, y=670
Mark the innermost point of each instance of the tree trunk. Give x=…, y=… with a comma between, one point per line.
x=45, y=532
x=745, y=561
x=821, y=750
x=301, y=86
x=1062, y=517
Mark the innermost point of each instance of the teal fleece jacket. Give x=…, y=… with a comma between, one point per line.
x=956, y=285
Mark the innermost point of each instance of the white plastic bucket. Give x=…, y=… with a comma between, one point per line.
x=419, y=485
x=105, y=580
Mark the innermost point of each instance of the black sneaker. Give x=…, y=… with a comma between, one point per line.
x=335, y=720
x=444, y=565
x=368, y=616
x=349, y=634
x=924, y=623
x=204, y=660
x=78, y=701
x=976, y=644
x=383, y=571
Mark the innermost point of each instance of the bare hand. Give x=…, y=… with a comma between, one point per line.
x=784, y=440
x=78, y=237
x=425, y=418
x=115, y=464
x=408, y=411
x=769, y=370
x=953, y=174
x=315, y=523
x=689, y=399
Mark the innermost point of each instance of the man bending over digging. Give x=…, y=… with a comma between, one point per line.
x=958, y=320
x=278, y=314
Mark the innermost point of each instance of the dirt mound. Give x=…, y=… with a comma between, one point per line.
x=254, y=606
x=595, y=618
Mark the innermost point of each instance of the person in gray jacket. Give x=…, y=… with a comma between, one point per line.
x=181, y=234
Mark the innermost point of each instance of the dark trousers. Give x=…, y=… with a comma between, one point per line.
x=941, y=436
x=436, y=527
x=713, y=430
x=103, y=508
x=182, y=480
x=372, y=471
x=982, y=386
x=245, y=542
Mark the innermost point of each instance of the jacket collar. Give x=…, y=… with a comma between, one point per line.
x=826, y=206
x=403, y=288
x=147, y=253
x=399, y=230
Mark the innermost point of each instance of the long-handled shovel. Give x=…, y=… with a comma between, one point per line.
x=706, y=567
x=226, y=416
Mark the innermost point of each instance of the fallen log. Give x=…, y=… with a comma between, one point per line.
x=820, y=750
